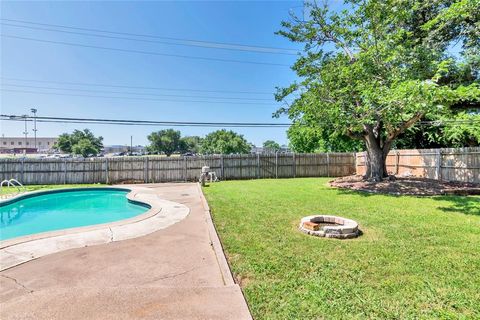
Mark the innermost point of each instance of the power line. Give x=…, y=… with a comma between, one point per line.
x=143, y=52
x=6, y=117
x=135, y=87
x=136, y=93
x=151, y=36
x=138, y=122
x=200, y=45
x=440, y=122
x=137, y=98
x=151, y=124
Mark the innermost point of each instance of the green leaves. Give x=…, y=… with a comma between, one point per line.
x=376, y=65
x=224, y=142
x=271, y=146
x=459, y=21
x=85, y=147
x=465, y=132
x=80, y=142
x=167, y=141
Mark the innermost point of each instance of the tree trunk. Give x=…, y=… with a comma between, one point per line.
x=376, y=168
x=367, y=166
x=378, y=147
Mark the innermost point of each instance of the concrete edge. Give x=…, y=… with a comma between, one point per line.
x=218, y=248
x=227, y=274
x=163, y=213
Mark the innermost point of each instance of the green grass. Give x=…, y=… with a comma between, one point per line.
x=418, y=258
x=8, y=190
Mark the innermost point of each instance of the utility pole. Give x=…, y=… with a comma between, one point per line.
x=25, y=133
x=131, y=145
x=34, y=111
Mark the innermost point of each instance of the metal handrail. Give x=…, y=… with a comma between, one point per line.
x=12, y=183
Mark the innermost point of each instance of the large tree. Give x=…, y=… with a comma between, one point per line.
x=191, y=144
x=271, y=146
x=79, y=142
x=225, y=142
x=376, y=69
x=165, y=141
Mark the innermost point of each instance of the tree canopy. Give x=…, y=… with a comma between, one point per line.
x=224, y=142
x=372, y=72
x=191, y=144
x=271, y=146
x=80, y=142
x=166, y=141
x=320, y=139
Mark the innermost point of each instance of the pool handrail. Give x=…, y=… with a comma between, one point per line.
x=14, y=183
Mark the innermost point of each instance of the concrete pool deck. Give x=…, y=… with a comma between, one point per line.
x=176, y=273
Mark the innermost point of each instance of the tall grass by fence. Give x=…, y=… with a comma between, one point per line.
x=449, y=164
x=162, y=169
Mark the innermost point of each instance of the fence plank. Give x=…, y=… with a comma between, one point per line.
x=448, y=164
x=174, y=169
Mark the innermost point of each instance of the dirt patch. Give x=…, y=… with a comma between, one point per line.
x=407, y=186
x=242, y=281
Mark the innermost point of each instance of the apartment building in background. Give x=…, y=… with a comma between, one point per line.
x=27, y=145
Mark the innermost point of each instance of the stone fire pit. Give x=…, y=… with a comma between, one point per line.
x=329, y=227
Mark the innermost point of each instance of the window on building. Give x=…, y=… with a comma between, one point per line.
x=48, y=143
x=4, y=143
x=28, y=143
x=19, y=143
x=39, y=143
x=12, y=143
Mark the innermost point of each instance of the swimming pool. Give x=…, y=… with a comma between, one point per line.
x=63, y=209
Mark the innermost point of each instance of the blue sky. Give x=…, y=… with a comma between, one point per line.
x=250, y=23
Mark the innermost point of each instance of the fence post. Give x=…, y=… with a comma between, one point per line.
x=65, y=171
x=276, y=165
x=145, y=170
x=258, y=166
x=438, y=169
x=328, y=164
x=106, y=171
x=222, y=165
x=185, y=168
x=397, y=160
x=355, y=162
x=23, y=170
x=294, y=165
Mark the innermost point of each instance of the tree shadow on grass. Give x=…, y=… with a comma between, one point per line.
x=469, y=205
x=363, y=193
x=461, y=204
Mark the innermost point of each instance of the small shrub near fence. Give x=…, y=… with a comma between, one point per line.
x=449, y=164
x=173, y=169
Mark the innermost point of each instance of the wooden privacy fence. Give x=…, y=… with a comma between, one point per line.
x=449, y=164
x=162, y=169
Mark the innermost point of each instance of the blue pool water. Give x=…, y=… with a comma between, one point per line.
x=65, y=209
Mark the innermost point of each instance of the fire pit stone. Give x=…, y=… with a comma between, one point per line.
x=329, y=226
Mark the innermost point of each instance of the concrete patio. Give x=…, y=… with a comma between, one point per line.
x=176, y=273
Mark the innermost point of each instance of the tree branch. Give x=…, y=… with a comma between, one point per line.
x=328, y=36
x=355, y=135
x=405, y=125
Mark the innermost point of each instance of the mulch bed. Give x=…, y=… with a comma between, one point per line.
x=407, y=186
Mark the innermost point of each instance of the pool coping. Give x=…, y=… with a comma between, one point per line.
x=161, y=214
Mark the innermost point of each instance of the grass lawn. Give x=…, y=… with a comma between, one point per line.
x=417, y=257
